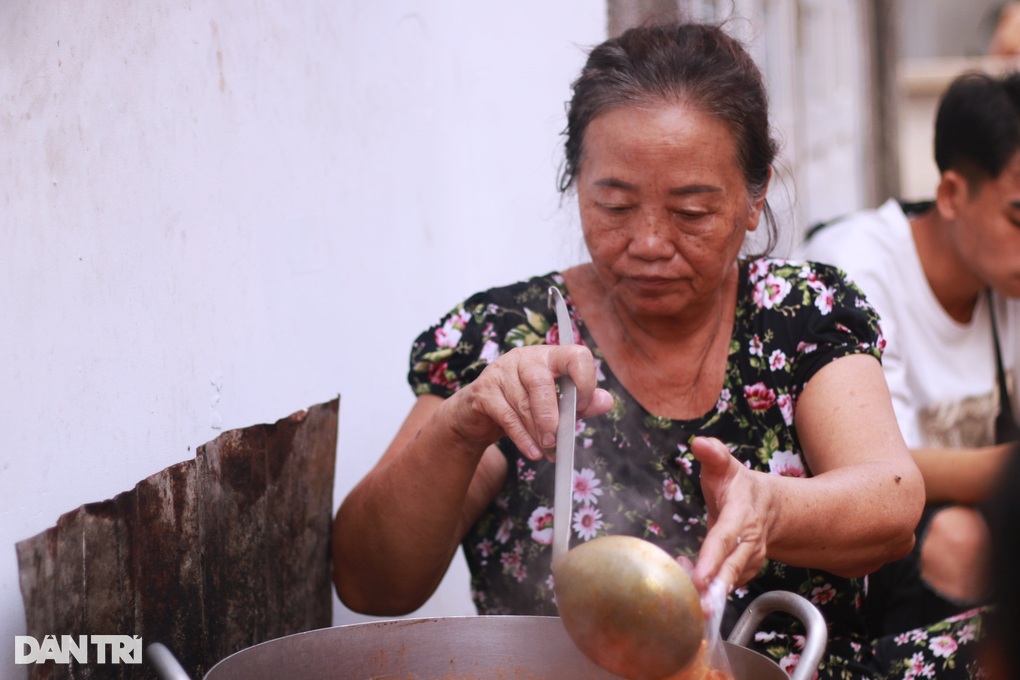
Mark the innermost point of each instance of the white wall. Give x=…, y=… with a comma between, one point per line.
x=213, y=214
x=946, y=28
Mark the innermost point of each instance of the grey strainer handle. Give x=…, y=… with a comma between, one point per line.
x=806, y=613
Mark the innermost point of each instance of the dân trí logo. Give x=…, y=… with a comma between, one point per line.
x=82, y=648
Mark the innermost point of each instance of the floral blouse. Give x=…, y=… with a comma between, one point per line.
x=633, y=471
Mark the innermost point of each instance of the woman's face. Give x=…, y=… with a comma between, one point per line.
x=664, y=205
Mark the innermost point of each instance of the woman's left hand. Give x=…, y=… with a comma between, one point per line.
x=735, y=548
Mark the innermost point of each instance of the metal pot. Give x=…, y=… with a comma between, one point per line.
x=469, y=647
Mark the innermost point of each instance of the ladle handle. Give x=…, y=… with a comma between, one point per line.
x=784, y=601
x=164, y=662
x=564, y=480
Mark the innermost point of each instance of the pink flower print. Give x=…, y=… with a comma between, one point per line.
x=916, y=661
x=806, y=347
x=485, y=548
x=541, y=524
x=823, y=594
x=967, y=634
x=684, y=464
x=586, y=486
x=755, y=346
x=918, y=669
x=777, y=360
x=758, y=269
x=552, y=336
x=786, y=403
x=759, y=397
x=786, y=464
x=520, y=573
x=513, y=563
x=809, y=275
x=789, y=662
x=587, y=522
x=671, y=490
x=503, y=533
x=723, y=405
x=825, y=299
x=653, y=528
x=448, y=335
x=943, y=646
x=520, y=466
x=490, y=351
x=439, y=374
x=510, y=560
x=770, y=291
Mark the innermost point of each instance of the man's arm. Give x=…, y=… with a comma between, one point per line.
x=964, y=476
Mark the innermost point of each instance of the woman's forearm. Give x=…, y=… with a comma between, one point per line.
x=397, y=530
x=861, y=506
x=871, y=524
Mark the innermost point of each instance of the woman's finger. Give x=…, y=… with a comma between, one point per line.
x=518, y=393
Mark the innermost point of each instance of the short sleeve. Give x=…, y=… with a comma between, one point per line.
x=836, y=321
x=454, y=351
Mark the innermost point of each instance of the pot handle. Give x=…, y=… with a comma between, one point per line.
x=164, y=662
x=806, y=613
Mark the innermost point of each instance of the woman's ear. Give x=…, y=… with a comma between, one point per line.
x=758, y=204
x=952, y=189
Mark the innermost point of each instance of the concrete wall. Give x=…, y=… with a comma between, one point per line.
x=946, y=28
x=213, y=214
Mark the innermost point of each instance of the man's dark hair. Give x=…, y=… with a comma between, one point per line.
x=977, y=128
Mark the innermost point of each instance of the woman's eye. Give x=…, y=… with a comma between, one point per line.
x=689, y=214
x=616, y=208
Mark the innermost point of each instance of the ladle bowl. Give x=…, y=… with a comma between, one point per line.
x=629, y=606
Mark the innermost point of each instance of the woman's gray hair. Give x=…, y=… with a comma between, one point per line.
x=696, y=64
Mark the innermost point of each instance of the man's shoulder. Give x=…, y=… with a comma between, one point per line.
x=864, y=241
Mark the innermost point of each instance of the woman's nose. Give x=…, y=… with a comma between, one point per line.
x=651, y=236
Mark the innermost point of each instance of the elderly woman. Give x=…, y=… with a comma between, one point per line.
x=730, y=408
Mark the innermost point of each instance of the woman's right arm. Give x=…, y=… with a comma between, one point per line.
x=396, y=532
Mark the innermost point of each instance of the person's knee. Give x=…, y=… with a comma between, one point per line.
x=954, y=554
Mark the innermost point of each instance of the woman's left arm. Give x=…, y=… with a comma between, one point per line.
x=858, y=510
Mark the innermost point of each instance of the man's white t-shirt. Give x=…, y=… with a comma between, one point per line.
x=942, y=373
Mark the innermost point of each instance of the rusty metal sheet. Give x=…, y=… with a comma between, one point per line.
x=167, y=557
x=208, y=556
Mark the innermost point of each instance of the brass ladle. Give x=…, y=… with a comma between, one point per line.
x=626, y=603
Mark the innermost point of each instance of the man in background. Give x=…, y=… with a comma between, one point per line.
x=944, y=276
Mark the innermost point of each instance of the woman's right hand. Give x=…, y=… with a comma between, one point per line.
x=516, y=396
x=397, y=530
